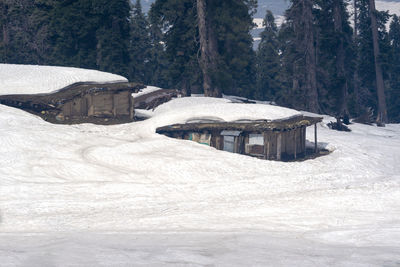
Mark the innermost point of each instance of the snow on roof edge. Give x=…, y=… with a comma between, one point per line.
x=36, y=79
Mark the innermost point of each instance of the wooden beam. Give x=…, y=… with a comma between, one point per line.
x=304, y=138
x=236, y=144
x=90, y=106
x=266, y=145
x=114, y=105
x=315, y=139
x=278, y=146
x=131, y=110
x=295, y=144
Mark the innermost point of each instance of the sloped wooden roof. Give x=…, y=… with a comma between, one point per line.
x=55, y=99
x=245, y=126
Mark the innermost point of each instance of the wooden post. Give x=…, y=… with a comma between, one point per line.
x=131, y=110
x=266, y=145
x=236, y=148
x=295, y=144
x=90, y=105
x=278, y=146
x=304, y=137
x=114, y=105
x=315, y=139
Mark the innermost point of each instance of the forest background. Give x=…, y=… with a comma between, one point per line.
x=322, y=58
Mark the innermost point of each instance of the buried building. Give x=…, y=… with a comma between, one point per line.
x=80, y=102
x=68, y=95
x=273, y=139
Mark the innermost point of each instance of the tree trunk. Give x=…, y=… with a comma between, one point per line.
x=340, y=61
x=382, y=111
x=356, y=79
x=310, y=58
x=208, y=48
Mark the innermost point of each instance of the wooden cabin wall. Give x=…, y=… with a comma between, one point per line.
x=102, y=104
x=122, y=103
x=106, y=104
x=273, y=144
x=291, y=142
x=217, y=140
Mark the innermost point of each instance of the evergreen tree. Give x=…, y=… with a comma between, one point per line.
x=224, y=33
x=381, y=117
x=24, y=31
x=178, y=56
x=158, y=64
x=140, y=46
x=335, y=56
x=365, y=50
x=394, y=82
x=300, y=49
x=91, y=34
x=73, y=33
x=268, y=61
x=112, y=35
x=233, y=21
x=4, y=32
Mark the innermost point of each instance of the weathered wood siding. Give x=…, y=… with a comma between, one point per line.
x=108, y=104
x=269, y=143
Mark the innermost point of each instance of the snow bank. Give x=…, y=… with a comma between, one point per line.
x=146, y=90
x=33, y=79
x=195, y=109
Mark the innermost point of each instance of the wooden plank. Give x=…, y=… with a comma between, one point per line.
x=114, y=105
x=295, y=143
x=279, y=146
x=131, y=108
x=266, y=145
x=315, y=138
x=90, y=105
x=236, y=145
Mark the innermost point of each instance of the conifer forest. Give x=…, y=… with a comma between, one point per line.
x=336, y=57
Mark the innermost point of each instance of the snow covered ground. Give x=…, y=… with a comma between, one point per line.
x=122, y=195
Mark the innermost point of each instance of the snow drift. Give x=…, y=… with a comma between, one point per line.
x=113, y=195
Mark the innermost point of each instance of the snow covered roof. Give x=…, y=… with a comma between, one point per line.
x=206, y=109
x=34, y=79
x=146, y=90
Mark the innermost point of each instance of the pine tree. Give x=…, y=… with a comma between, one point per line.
x=91, y=34
x=300, y=51
x=366, y=59
x=335, y=56
x=236, y=69
x=73, y=32
x=158, y=62
x=394, y=90
x=177, y=48
x=140, y=46
x=112, y=35
x=4, y=32
x=222, y=29
x=382, y=110
x=24, y=31
x=210, y=59
x=268, y=61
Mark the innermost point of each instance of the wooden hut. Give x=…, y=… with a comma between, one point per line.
x=80, y=102
x=273, y=140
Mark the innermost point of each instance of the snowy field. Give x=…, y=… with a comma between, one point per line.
x=122, y=195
